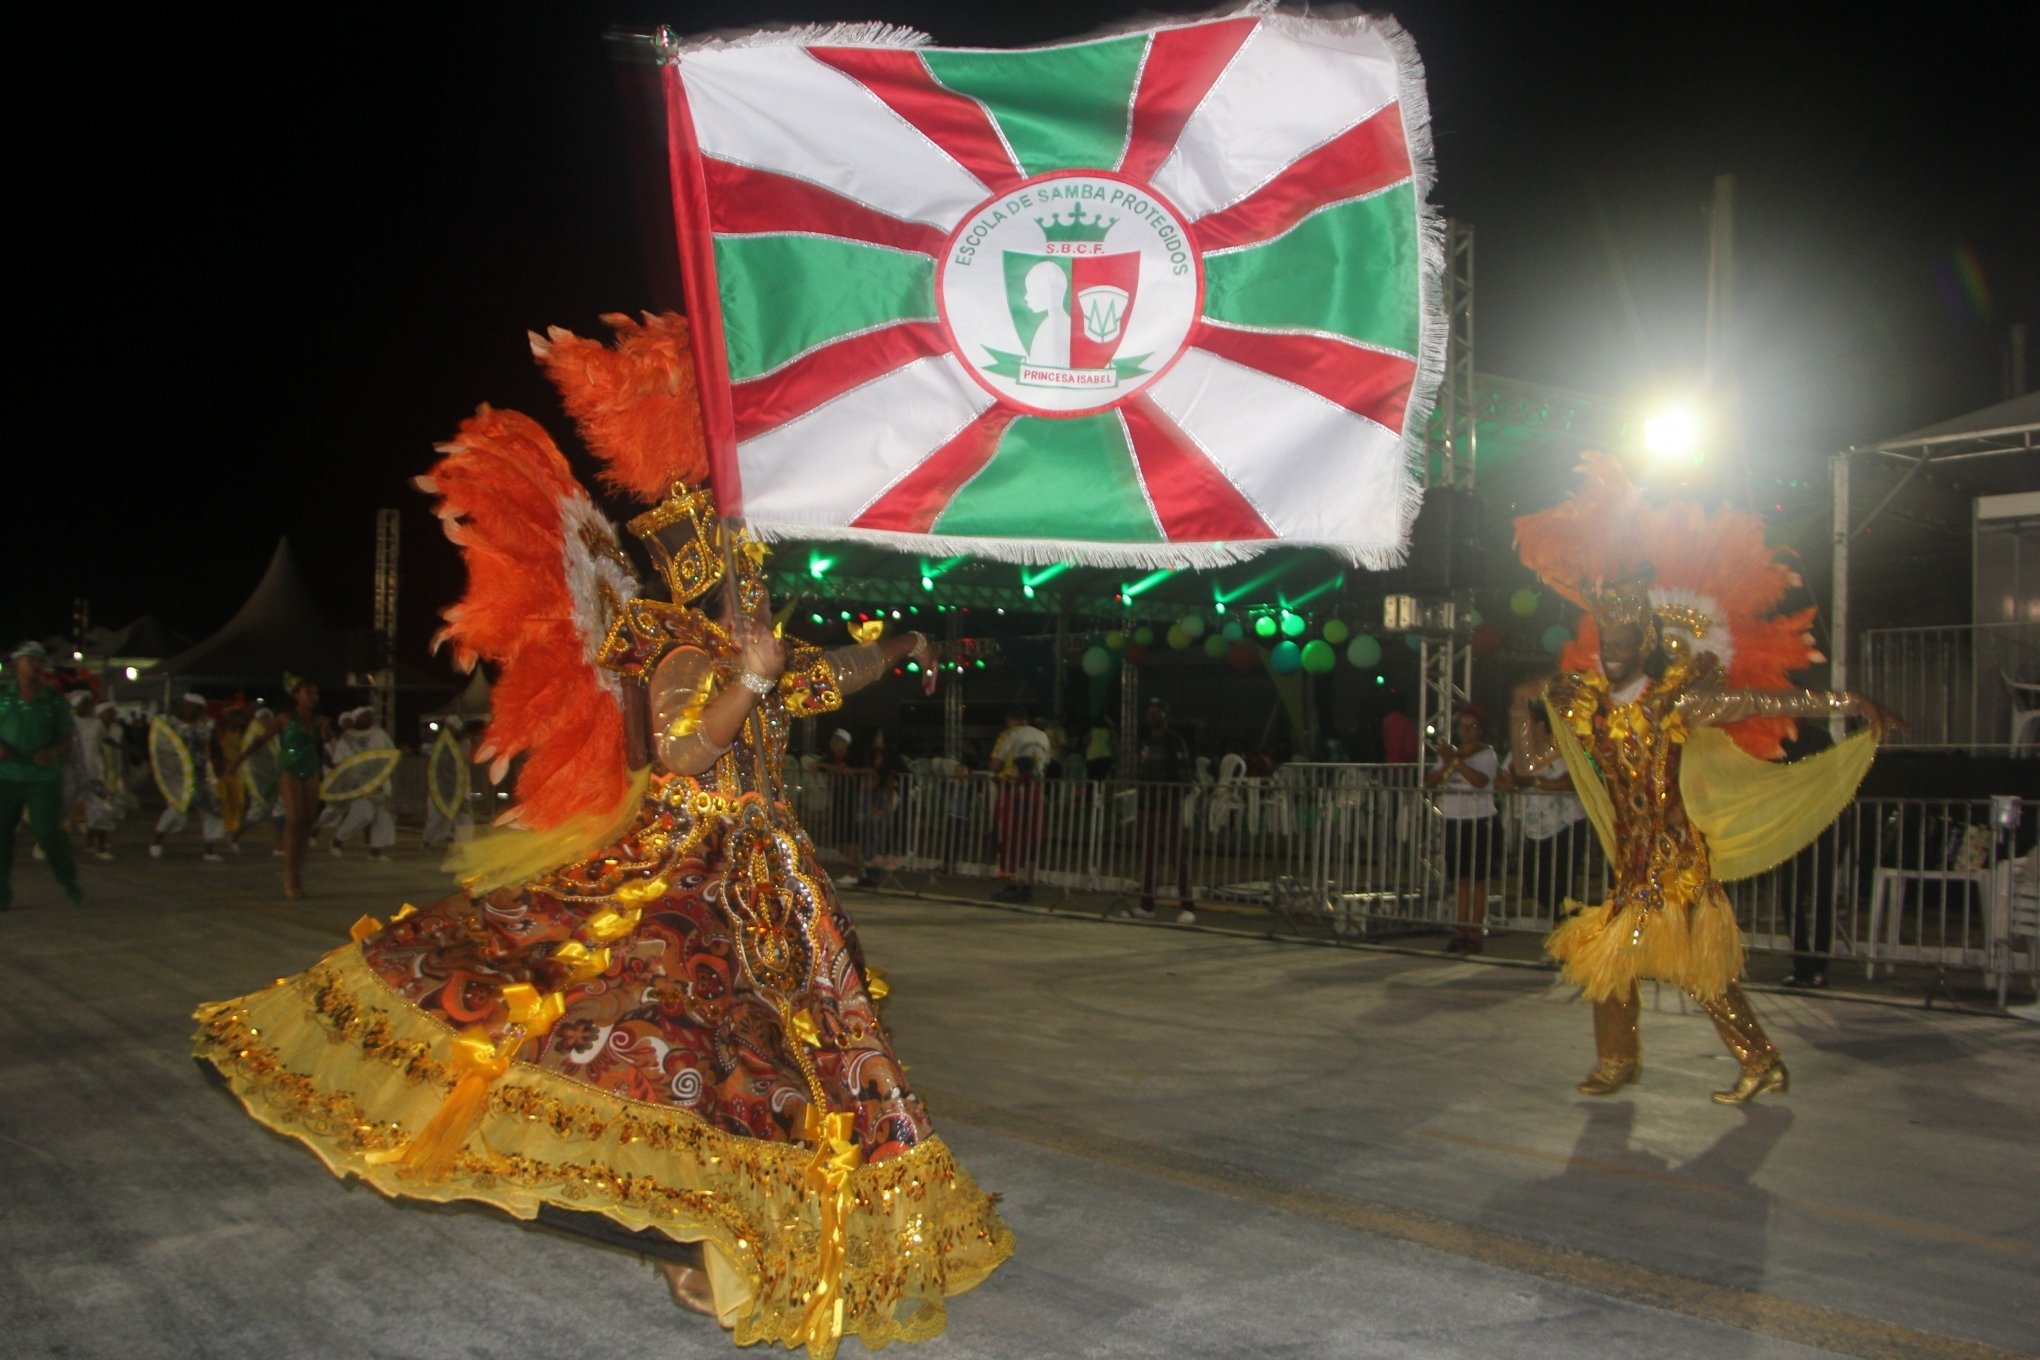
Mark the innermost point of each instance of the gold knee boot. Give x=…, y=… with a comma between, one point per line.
x=1762, y=1069
x=1618, y=1057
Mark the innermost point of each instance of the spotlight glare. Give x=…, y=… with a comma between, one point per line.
x=1672, y=433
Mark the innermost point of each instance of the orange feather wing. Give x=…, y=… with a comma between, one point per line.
x=546, y=579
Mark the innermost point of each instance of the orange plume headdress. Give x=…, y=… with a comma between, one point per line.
x=1704, y=582
x=638, y=408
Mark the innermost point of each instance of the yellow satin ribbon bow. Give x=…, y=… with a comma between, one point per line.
x=476, y=1061
x=610, y=924
x=828, y=1179
x=532, y=1011
x=805, y=1029
x=875, y=985
x=581, y=961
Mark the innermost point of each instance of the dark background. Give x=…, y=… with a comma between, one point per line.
x=267, y=262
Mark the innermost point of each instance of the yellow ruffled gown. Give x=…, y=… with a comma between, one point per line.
x=678, y=1032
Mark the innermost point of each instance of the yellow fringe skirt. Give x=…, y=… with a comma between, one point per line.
x=1691, y=942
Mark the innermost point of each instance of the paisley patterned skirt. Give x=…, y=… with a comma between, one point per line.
x=531, y=1048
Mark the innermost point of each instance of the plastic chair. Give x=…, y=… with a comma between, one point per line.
x=1225, y=793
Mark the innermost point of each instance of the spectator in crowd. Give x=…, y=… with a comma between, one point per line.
x=959, y=804
x=1101, y=755
x=1552, y=815
x=1399, y=737
x=1811, y=878
x=1466, y=772
x=36, y=732
x=1018, y=759
x=878, y=794
x=1058, y=747
x=845, y=775
x=1165, y=773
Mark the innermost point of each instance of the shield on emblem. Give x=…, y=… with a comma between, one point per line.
x=1104, y=286
x=171, y=763
x=446, y=776
x=361, y=774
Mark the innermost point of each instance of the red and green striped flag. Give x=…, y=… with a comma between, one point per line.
x=1166, y=297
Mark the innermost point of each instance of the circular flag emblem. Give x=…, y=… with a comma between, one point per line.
x=1070, y=292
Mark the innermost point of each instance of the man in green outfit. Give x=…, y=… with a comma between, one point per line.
x=35, y=738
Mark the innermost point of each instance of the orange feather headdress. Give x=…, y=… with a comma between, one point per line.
x=1711, y=581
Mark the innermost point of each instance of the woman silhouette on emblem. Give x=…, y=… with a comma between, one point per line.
x=1047, y=292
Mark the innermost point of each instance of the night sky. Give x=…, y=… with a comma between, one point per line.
x=274, y=260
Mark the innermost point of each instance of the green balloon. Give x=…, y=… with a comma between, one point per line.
x=1523, y=603
x=1318, y=657
x=1337, y=632
x=1293, y=625
x=1287, y=658
x=1264, y=627
x=1364, y=652
x=1178, y=637
x=1144, y=635
x=1115, y=640
x=1232, y=632
x=1215, y=646
x=1555, y=638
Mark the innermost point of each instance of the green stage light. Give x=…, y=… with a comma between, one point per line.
x=927, y=583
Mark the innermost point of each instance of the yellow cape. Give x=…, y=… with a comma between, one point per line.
x=1754, y=813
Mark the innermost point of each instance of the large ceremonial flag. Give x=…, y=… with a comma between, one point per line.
x=1165, y=297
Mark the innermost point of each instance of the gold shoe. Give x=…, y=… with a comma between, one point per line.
x=1753, y=1084
x=1609, y=1076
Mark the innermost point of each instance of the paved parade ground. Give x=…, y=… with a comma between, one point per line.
x=1210, y=1145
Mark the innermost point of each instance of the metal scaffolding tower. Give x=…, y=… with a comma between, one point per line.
x=1445, y=649
x=384, y=699
x=1452, y=433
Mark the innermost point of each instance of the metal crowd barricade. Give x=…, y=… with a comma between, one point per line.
x=1357, y=852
